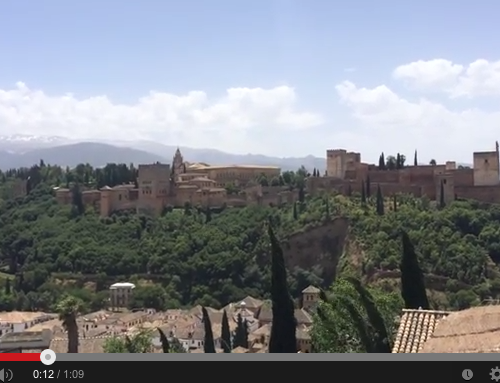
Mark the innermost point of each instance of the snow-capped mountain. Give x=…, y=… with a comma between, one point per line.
x=19, y=143
x=27, y=137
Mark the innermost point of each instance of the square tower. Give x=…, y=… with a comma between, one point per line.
x=336, y=160
x=154, y=188
x=486, y=168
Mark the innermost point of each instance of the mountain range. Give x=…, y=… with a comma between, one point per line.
x=26, y=150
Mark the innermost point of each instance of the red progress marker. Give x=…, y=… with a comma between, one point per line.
x=19, y=357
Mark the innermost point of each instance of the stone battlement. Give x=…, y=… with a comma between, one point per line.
x=346, y=173
x=161, y=186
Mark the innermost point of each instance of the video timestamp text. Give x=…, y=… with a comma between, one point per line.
x=58, y=374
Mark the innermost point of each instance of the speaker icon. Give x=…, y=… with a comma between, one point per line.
x=6, y=375
x=48, y=357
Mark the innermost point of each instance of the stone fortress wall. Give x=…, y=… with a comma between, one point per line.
x=345, y=172
x=161, y=186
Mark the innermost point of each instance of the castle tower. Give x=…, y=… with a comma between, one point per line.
x=310, y=298
x=106, y=203
x=336, y=163
x=154, y=188
x=177, y=163
x=487, y=167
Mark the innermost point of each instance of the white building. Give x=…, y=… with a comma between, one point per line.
x=120, y=294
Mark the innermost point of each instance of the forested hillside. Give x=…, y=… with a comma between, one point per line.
x=194, y=256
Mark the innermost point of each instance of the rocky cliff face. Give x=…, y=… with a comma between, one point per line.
x=318, y=246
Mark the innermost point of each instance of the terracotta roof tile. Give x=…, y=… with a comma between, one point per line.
x=311, y=290
x=415, y=327
x=475, y=330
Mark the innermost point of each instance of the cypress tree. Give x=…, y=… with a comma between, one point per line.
x=225, y=334
x=208, y=345
x=441, y=196
x=241, y=333
x=380, y=166
x=295, y=214
x=283, y=338
x=380, y=201
x=245, y=333
x=28, y=185
x=412, y=278
x=415, y=161
x=77, y=199
x=165, y=345
x=398, y=161
x=302, y=194
x=208, y=214
x=7, y=287
x=368, y=187
x=363, y=193
x=395, y=202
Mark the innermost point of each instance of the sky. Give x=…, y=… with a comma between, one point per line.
x=274, y=77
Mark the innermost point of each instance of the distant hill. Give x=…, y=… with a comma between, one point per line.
x=96, y=154
x=24, y=150
x=217, y=157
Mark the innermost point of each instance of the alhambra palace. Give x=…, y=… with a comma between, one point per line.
x=198, y=184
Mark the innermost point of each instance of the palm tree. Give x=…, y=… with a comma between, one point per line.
x=68, y=309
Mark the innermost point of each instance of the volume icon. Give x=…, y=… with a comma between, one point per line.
x=6, y=375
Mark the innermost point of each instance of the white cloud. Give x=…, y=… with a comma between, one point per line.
x=391, y=123
x=192, y=119
x=479, y=78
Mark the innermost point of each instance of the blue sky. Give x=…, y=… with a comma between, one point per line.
x=88, y=68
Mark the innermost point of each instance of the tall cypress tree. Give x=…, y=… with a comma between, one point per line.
x=415, y=161
x=225, y=334
x=208, y=345
x=165, y=345
x=441, y=196
x=295, y=214
x=395, y=202
x=381, y=162
x=283, y=338
x=77, y=199
x=241, y=334
x=302, y=194
x=412, y=278
x=380, y=201
x=363, y=193
x=208, y=214
x=398, y=161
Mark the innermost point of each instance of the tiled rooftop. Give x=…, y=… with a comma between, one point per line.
x=311, y=290
x=21, y=316
x=474, y=330
x=415, y=327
